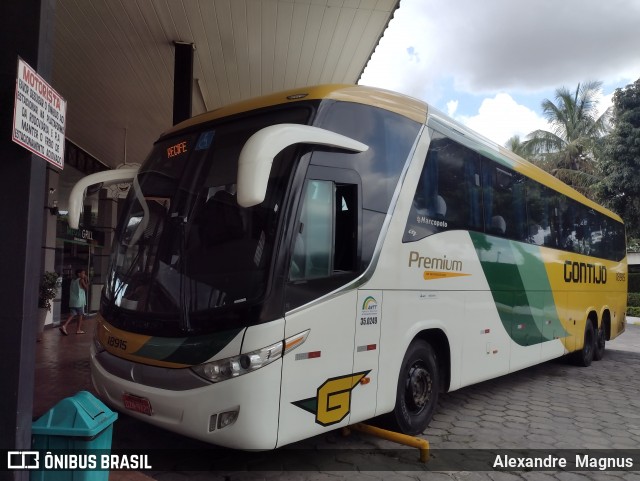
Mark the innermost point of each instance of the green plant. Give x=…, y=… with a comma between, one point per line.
x=633, y=311
x=633, y=299
x=48, y=290
x=633, y=244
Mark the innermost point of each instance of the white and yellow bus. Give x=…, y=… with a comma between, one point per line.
x=310, y=259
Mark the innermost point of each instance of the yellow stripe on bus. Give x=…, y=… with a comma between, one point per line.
x=125, y=344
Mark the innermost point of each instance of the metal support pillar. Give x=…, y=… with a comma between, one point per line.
x=182, y=81
x=27, y=34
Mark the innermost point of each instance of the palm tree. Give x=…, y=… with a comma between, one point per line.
x=570, y=150
x=516, y=145
x=523, y=149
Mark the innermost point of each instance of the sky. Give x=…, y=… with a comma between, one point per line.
x=491, y=63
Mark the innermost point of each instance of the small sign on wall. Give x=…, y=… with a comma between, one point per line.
x=39, y=116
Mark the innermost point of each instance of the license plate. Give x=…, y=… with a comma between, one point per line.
x=137, y=403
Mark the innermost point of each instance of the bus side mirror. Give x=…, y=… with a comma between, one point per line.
x=76, y=198
x=256, y=157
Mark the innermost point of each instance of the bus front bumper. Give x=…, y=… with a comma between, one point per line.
x=198, y=412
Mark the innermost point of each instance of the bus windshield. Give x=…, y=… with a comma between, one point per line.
x=184, y=247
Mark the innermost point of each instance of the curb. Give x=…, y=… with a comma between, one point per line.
x=633, y=320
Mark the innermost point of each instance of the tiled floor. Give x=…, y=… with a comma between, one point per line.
x=62, y=366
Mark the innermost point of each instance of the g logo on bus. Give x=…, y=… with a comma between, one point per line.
x=333, y=400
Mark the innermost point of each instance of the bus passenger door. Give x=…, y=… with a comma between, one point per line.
x=317, y=377
x=317, y=380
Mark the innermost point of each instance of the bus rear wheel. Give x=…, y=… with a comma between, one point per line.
x=584, y=356
x=418, y=389
x=601, y=339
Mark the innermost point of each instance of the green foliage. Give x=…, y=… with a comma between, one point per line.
x=516, y=145
x=48, y=290
x=633, y=244
x=633, y=299
x=620, y=188
x=633, y=311
x=571, y=149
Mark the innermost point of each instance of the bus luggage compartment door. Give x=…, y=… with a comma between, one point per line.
x=318, y=377
x=366, y=354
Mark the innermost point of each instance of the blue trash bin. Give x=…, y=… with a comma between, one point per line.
x=74, y=425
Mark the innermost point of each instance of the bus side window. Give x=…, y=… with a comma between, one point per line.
x=448, y=195
x=504, y=201
x=390, y=138
x=542, y=215
x=566, y=212
x=586, y=231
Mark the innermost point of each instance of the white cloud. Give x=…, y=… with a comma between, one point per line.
x=452, y=106
x=501, y=117
x=538, y=44
x=505, y=52
x=403, y=60
x=496, y=45
x=604, y=102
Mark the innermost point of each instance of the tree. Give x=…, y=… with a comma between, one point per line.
x=620, y=188
x=571, y=149
x=516, y=145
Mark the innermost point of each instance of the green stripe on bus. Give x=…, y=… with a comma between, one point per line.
x=159, y=348
x=540, y=300
x=520, y=288
x=187, y=350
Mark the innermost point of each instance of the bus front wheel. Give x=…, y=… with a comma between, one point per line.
x=418, y=389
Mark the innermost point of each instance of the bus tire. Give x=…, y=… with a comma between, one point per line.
x=418, y=389
x=584, y=356
x=601, y=339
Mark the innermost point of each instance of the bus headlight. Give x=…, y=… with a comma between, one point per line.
x=235, y=366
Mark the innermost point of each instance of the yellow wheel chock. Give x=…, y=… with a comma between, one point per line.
x=421, y=444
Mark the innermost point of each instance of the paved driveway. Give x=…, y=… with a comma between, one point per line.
x=551, y=406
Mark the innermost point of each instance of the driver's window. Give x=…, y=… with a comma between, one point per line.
x=327, y=233
x=312, y=253
x=325, y=247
